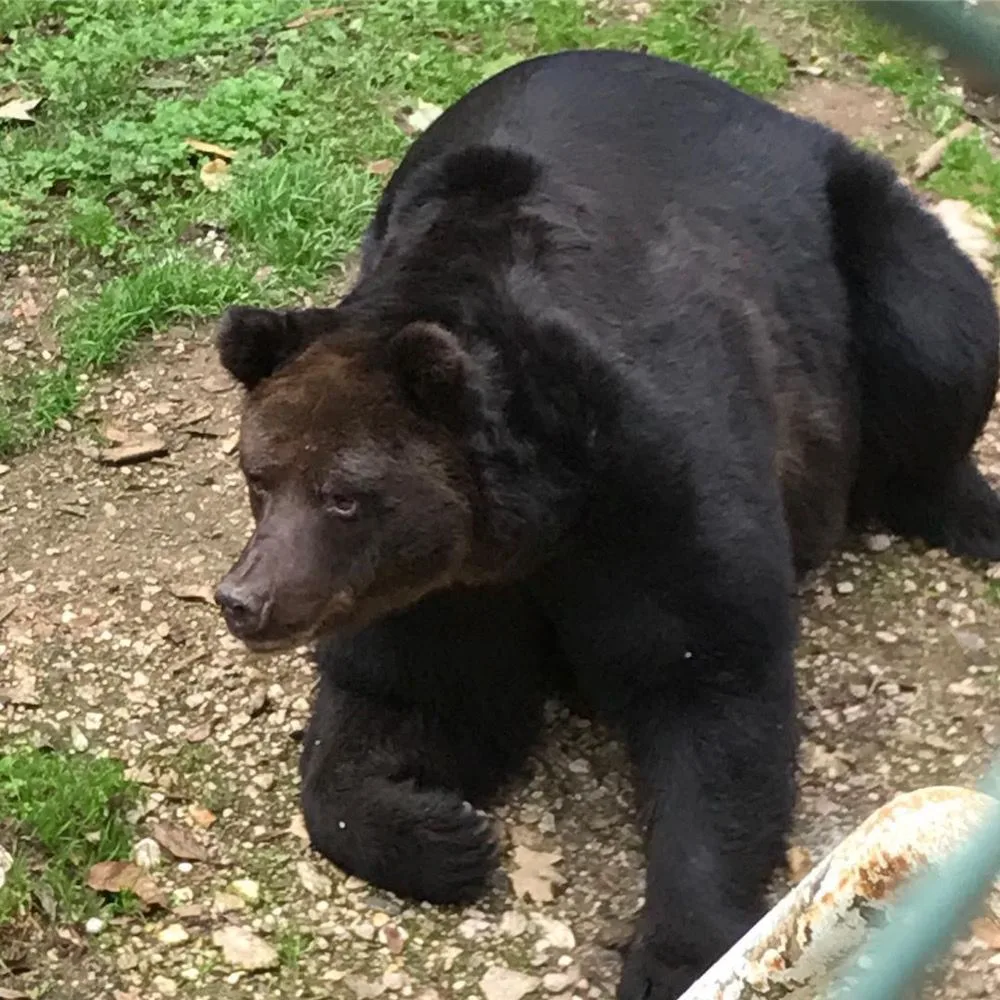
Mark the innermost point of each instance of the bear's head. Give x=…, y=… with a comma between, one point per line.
x=361, y=490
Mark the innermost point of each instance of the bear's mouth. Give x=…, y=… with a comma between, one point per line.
x=337, y=613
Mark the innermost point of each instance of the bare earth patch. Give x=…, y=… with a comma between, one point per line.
x=106, y=642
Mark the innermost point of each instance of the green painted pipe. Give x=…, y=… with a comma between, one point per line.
x=970, y=33
x=929, y=916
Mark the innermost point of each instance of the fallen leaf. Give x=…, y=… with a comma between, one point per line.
x=423, y=115
x=126, y=876
x=215, y=175
x=987, y=930
x=197, y=592
x=799, y=862
x=317, y=14
x=201, y=816
x=179, y=842
x=137, y=449
x=18, y=109
x=381, y=167
x=314, y=881
x=533, y=876
x=210, y=147
x=244, y=950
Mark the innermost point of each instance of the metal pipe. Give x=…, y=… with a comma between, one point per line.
x=797, y=950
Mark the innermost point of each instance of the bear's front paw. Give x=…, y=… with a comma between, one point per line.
x=422, y=844
x=648, y=977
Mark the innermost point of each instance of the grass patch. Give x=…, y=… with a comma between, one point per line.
x=104, y=189
x=59, y=815
x=890, y=58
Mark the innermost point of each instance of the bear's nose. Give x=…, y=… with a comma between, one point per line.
x=244, y=609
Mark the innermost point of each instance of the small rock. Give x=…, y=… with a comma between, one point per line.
x=173, y=934
x=556, y=982
x=313, y=881
x=889, y=638
x=394, y=980
x=393, y=937
x=555, y=934
x=501, y=983
x=94, y=926
x=165, y=987
x=845, y=587
x=878, y=543
x=513, y=923
x=364, y=929
x=246, y=888
x=264, y=781
x=364, y=989
x=228, y=902
x=146, y=853
x=971, y=642
x=243, y=949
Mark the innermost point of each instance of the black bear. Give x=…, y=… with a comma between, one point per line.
x=628, y=353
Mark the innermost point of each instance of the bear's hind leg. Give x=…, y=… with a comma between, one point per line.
x=925, y=348
x=414, y=717
x=960, y=513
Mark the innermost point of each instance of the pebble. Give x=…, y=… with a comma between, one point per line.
x=501, y=983
x=246, y=888
x=845, y=587
x=94, y=925
x=173, y=934
x=555, y=934
x=147, y=853
x=164, y=986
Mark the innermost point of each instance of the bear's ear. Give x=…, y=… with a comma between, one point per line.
x=254, y=343
x=435, y=371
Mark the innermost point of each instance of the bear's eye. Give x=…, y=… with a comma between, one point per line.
x=342, y=506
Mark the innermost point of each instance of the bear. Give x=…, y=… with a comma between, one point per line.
x=630, y=352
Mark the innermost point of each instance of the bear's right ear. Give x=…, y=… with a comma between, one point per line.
x=254, y=343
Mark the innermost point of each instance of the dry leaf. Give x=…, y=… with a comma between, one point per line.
x=244, y=950
x=987, y=930
x=126, y=876
x=533, y=876
x=381, y=167
x=210, y=147
x=180, y=842
x=423, y=115
x=198, y=592
x=18, y=109
x=215, y=175
x=799, y=862
x=317, y=14
x=201, y=816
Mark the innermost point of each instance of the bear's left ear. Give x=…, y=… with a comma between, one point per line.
x=254, y=343
x=435, y=371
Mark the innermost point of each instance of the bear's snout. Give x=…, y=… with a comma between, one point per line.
x=245, y=608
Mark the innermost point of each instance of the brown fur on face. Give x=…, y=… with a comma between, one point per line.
x=327, y=431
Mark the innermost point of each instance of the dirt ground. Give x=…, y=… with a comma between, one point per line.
x=106, y=641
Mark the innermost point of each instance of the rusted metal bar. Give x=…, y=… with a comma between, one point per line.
x=797, y=950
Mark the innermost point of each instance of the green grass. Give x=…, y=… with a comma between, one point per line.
x=104, y=191
x=59, y=815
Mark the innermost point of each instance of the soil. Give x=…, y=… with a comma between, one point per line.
x=107, y=641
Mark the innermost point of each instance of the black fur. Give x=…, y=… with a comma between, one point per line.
x=707, y=334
